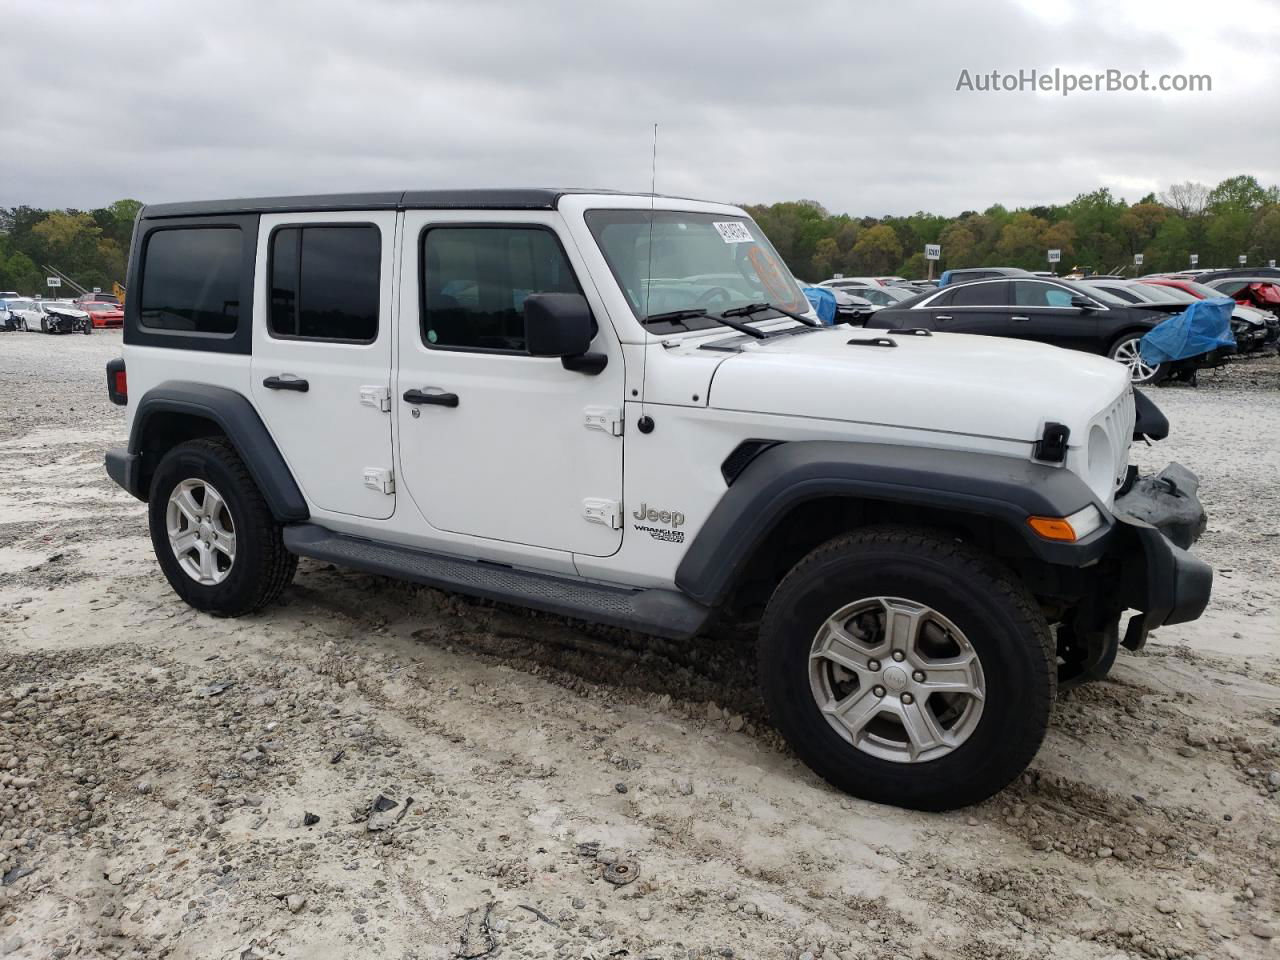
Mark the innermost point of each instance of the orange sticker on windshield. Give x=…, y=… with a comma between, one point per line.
x=770, y=276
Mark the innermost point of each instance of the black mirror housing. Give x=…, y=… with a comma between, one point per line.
x=557, y=325
x=1083, y=302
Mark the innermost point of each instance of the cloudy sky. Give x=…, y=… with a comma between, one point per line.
x=853, y=105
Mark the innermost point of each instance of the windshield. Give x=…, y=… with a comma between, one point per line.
x=1158, y=293
x=1106, y=296
x=698, y=261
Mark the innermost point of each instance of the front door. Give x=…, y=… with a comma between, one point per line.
x=322, y=334
x=1047, y=316
x=495, y=443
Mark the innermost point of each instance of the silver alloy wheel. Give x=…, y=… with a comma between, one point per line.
x=1130, y=354
x=201, y=532
x=897, y=679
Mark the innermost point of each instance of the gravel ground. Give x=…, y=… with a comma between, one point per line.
x=375, y=769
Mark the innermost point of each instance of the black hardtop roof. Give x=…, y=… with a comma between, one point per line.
x=531, y=198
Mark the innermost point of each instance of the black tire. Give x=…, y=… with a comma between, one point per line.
x=88, y=327
x=44, y=325
x=262, y=567
x=982, y=599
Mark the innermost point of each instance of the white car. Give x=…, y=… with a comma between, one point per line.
x=24, y=313
x=622, y=409
x=59, y=316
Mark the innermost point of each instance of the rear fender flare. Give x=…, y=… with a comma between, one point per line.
x=236, y=417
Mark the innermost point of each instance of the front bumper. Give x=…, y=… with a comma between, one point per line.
x=1158, y=520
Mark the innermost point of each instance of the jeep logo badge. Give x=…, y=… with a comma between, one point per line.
x=669, y=517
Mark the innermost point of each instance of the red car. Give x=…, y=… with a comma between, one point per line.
x=104, y=314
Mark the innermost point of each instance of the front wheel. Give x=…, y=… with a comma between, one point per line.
x=908, y=669
x=88, y=328
x=1128, y=350
x=213, y=534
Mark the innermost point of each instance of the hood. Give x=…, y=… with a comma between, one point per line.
x=65, y=310
x=945, y=383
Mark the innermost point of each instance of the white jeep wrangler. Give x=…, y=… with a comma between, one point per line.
x=621, y=408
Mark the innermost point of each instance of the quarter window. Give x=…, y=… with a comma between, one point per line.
x=324, y=282
x=475, y=280
x=191, y=280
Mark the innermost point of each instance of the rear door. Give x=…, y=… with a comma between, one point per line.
x=979, y=307
x=322, y=336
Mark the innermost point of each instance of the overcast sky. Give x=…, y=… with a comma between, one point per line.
x=853, y=105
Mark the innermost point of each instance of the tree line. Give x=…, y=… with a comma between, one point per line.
x=1096, y=231
x=91, y=247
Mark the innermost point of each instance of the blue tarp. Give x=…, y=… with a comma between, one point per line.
x=1203, y=327
x=824, y=302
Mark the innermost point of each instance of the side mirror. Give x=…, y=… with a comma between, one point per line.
x=561, y=325
x=1083, y=302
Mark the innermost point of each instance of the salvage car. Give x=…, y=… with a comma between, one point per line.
x=23, y=314
x=57, y=316
x=104, y=314
x=931, y=531
x=1058, y=312
x=1254, y=330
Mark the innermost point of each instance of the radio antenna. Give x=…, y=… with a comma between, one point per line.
x=644, y=321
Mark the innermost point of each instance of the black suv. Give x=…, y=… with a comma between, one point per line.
x=1056, y=312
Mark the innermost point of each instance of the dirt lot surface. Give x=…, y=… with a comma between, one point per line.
x=173, y=785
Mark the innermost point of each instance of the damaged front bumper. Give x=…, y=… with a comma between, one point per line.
x=1158, y=519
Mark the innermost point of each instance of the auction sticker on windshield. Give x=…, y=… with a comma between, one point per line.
x=733, y=231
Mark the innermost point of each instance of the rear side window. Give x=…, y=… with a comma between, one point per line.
x=980, y=295
x=475, y=280
x=191, y=280
x=324, y=282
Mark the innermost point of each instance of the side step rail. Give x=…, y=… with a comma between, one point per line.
x=665, y=613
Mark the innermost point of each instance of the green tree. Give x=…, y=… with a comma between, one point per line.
x=877, y=252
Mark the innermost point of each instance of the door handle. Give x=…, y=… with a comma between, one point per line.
x=291, y=383
x=942, y=317
x=439, y=399
x=1019, y=319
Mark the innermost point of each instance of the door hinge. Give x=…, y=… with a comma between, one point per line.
x=377, y=397
x=608, y=419
x=381, y=479
x=607, y=512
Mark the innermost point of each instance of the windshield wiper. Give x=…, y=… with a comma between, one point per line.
x=750, y=308
x=672, y=316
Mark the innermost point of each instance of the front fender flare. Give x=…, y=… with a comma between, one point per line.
x=1005, y=489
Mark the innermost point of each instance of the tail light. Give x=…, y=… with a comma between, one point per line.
x=117, y=383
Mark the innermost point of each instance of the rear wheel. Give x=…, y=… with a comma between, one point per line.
x=905, y=668
x=1128, y=350
x=213, y=533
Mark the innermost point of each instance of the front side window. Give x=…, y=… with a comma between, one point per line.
x=475, y=280
x=324, y=282
x=1027, y=293
x=667, y=261
x=191, y=280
